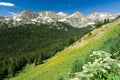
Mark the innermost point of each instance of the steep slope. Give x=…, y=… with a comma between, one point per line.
x=60, y=64
x=31, y=43
x=31, y=37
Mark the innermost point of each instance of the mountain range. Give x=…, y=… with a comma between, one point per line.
x=76, y=19
x=34, y=38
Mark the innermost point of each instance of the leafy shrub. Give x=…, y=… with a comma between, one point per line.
x=76, y=67
x=90, y=33
x=60, y=78
x=100, y=68
x=113, y=77
x=113, y=46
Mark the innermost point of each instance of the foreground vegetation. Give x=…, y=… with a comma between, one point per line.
x=59, y=67
x=101, y=67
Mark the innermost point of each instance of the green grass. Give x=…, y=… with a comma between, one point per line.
x=60, y=64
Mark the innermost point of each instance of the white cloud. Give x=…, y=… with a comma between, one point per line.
x=12, y=13
x=6, y=4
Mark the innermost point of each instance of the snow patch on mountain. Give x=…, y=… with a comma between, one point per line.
x=76, y=19
x=101, y=16
x=62, y=14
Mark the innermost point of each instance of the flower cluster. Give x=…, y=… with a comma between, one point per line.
x=102, y=65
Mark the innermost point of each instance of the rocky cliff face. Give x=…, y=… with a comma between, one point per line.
x=76, y=19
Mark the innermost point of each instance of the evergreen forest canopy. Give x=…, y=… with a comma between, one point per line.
x=30, y=43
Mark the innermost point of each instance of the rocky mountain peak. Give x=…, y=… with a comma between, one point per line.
x=28, y=14
x=76, y=19
x=62, y=14
x=76, y=15
x=101, y=16
x=47, y=13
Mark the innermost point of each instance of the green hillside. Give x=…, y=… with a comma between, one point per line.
x=33, y=43
x=60, y=64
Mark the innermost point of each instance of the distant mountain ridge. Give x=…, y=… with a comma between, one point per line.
x=76, y=19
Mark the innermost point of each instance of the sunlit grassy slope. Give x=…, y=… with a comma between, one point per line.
x=59, y=65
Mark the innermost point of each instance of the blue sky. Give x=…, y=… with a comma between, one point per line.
x=69, y=6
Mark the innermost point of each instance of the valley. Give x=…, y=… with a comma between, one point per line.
x=60, y=64
x=60, y=40
x=49, y=43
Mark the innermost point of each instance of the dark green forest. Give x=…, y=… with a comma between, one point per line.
x=30, y=43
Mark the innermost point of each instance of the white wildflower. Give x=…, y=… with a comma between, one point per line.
x=96, y=60
x=84, y=68
x=99, y=53
x=94, y=53
x=78, y=73
x=108, y=67
x=108, y=54
x=82, y=75
x=91, y=75
x=100, y=58
x=111, y=59
x=89, y=62
x=101, y=62
x=91, y=55
x=75, y=78
x=115, y=54
x=85, y=71
x=118, y=64
x=106, y=59
x=103, y=70
x=105, y=65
